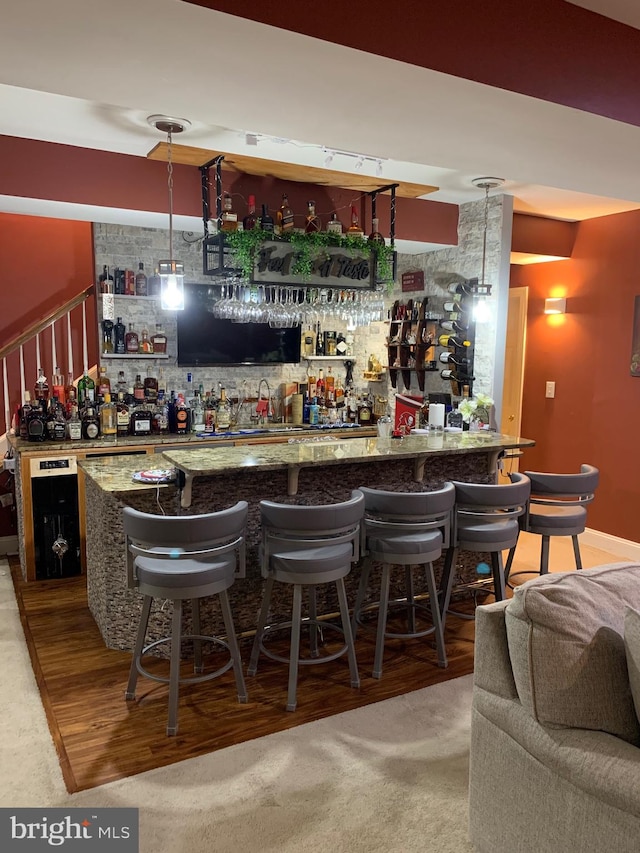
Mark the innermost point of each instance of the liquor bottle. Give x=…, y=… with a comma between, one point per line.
x=266, y=220
x=150, y=386
x=23, y=411
x=119, y=333
x=57, y=386
x=86, y=391
x=141, y=281
x=341, y=344
x=312, y=223
x=365, y=411
x=330, y=343
x=107, y=336
x=90, y=423
x=160, y=421
x=354, y=230
x=41, y=386
x=223, y=411
x=339, y=398
x=140, y=420
x=330, y=386
x=121, y=384
x=250, y=221
x=229, y=219
x=70, y=394
x=454, y=418
x=319, y=342
x=36, y=425
x=145, y=346
x=197, y=414
x=308, y=343
x=375, y=236
x=320, y=387
x=122, y=415
x=55, y=420
x=334, y=226
x=108, y=417
x=129, y=283
x=131, y=340
x=105, y=281
x=285, y=216
x=159, y=340
x=154, y=285
x=74, y=426
x=138, y=389
x=104, y=383
x=182, y=416
x=119, y=281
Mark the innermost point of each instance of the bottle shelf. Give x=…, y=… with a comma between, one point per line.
x=131, y=296
x=327, y=358
x=150, y=355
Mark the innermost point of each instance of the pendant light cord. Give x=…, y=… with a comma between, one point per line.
x=170, y=187
x=486, y=228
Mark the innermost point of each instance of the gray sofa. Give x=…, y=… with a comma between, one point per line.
x=555, y=738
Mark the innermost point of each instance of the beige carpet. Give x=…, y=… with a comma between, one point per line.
x=390, y=777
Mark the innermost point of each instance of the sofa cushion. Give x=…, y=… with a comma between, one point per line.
x=632, y=648
x=566, y=643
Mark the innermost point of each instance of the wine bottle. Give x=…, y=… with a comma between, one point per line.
x=375, y=236
x=266, y=221
x=250, y=220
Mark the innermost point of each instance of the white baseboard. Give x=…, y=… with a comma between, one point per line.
x=624, y=548
x=8, y=544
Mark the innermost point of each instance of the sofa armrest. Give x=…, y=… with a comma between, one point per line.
x=492, y=664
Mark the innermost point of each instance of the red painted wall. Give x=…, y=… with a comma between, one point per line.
x=595, y=414
x=43, y=264
x=549, y=49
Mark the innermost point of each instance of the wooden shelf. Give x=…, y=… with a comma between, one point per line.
x=150, y=355
x=260, y=167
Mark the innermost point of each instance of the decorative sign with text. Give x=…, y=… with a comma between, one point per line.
x=332, y=266
x=412, y=281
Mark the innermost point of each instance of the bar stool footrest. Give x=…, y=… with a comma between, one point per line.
x=191, y=679
x=281, y=626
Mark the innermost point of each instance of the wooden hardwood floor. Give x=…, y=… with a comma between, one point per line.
x=100, y=737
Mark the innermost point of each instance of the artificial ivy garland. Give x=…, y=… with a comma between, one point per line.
x=244, y=245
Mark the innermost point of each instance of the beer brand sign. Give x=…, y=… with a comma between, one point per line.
x=331, y=266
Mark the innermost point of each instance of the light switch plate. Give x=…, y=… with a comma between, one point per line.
x=550, y=389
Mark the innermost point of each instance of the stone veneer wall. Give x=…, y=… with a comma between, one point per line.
x=125, y=246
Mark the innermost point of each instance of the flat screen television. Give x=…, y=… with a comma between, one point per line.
x=206, y=340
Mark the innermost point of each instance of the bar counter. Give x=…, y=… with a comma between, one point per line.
x=323, y=470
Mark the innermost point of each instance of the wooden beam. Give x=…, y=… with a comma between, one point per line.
x=188, y=156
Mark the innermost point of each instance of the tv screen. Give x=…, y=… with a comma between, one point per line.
x=204, y=339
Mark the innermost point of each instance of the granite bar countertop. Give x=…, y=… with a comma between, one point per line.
x=205, y=461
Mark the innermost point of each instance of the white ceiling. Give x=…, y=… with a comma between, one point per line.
x=90, y=74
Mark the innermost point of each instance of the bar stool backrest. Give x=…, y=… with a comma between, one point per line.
x=569, y=489
x=186, y=537
x=288, y=528
x=410, y=511
x=491, y=503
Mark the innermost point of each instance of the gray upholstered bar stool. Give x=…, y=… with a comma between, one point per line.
x=557, y=508
x=185, y=557
x=485, y=520
x=407, y=529
x=306, y=546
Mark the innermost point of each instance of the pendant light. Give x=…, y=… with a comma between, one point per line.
x=171, y=271
x=481, y=310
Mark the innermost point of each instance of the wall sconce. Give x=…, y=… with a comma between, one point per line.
x=555, y=305
x=171, y=271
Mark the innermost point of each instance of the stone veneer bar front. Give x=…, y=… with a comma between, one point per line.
x=307, y=471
